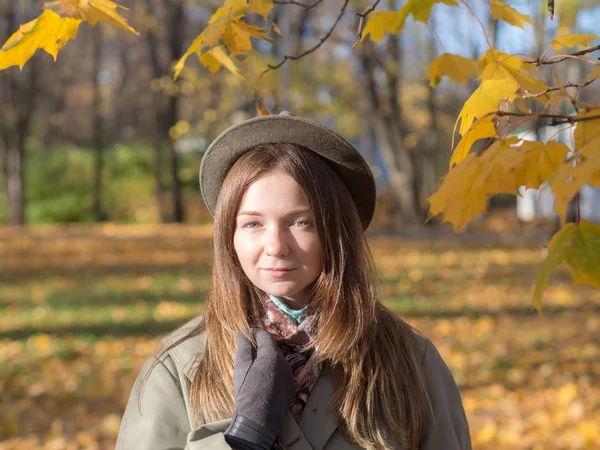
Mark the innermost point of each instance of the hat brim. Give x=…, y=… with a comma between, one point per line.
x=225, y=150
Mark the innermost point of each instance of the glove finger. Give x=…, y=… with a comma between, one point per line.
x=243, y=357
x=265, y=344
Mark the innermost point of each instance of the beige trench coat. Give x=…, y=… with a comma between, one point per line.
x=164, y=419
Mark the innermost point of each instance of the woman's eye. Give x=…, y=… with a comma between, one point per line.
x=251, y=225
x=303, y=223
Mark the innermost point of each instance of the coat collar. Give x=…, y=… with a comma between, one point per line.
x=317, y=422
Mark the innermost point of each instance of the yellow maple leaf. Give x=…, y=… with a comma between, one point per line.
x=483, y=128
x=568, y=179
x=262, y=7
x=231, y=10
x=500, y=169
x=196, y=48
x=503, y=11
x=587, y=130
x=496, y=65
x=421, y=9
x=595, y=73
x=92, y=11
x=456, y=184
x=49, y=32
x=236, y=37
x=381, y=22
x=571, y=40
x=466, y=188
x=216, y=58
x=457, y=67
x=226, y=28
x=577, y=246
x=484, y=100
x=543, y=160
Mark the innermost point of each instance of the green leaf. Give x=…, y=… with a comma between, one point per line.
x=574, y=244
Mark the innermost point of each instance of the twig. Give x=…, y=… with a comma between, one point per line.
x=312, y=49
x=568, y=85
x=559, y=58
x=294, y=2
x=557, y=119
x=478, y=21
x=361, y=22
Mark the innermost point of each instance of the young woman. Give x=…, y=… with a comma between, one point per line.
x=294, y=349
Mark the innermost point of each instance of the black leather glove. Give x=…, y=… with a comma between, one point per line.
x=264, y=388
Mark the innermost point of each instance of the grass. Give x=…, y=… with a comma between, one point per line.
x=82, y=308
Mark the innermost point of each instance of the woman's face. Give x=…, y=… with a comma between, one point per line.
x=276, y=238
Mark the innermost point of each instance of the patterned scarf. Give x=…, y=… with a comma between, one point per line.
x=292, y=329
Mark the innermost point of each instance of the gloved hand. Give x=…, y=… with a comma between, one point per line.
x=264, y=388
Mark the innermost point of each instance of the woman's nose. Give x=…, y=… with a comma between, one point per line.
x=276, y=242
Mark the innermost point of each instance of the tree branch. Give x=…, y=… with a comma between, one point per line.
x=559, y=58
x=568, y=85
x=556, y=119
x=361, y=22
x=294, y=2
x=312, y=49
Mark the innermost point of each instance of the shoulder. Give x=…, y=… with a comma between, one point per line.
x=182, y=348
x=432, y=363
x=449, y=428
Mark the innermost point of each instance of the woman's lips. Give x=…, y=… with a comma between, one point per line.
x=277, y=273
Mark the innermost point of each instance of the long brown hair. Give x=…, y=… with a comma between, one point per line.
x=380, y=392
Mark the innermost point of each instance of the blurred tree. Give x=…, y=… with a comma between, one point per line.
x=98, y=122
x=165, y=43
x=19, y=94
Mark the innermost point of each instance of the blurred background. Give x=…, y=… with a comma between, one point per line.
x=105, y=245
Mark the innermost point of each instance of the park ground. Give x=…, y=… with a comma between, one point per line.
x=81, y=308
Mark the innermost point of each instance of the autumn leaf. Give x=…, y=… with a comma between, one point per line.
x=574, y=244
x=421, y=9
x=262, y=7
x=466, y=188
x=483, y=128
x=261, y=110
x=92, y=11
x=215, y=58
x=595, y=73
x=543, y=162
x=587, y=130
x=457, y=68
x=569, y=178
x=456, y=184
x=226, y=28
x=571, y=40
x=237, y=37
x=500, y=169
x=484, y=100
x=49, y=32
x=496, y=65
x=381, y=22
x=503, y=11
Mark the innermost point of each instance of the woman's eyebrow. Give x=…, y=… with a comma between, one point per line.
x=248, y=212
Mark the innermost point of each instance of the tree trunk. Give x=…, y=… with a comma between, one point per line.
x=176, y=48
x=14, y=175
x=386, y=123
x=99, y=213
x=167, y=111
x=158, y=101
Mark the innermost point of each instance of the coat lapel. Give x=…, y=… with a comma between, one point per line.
x=317, y=421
